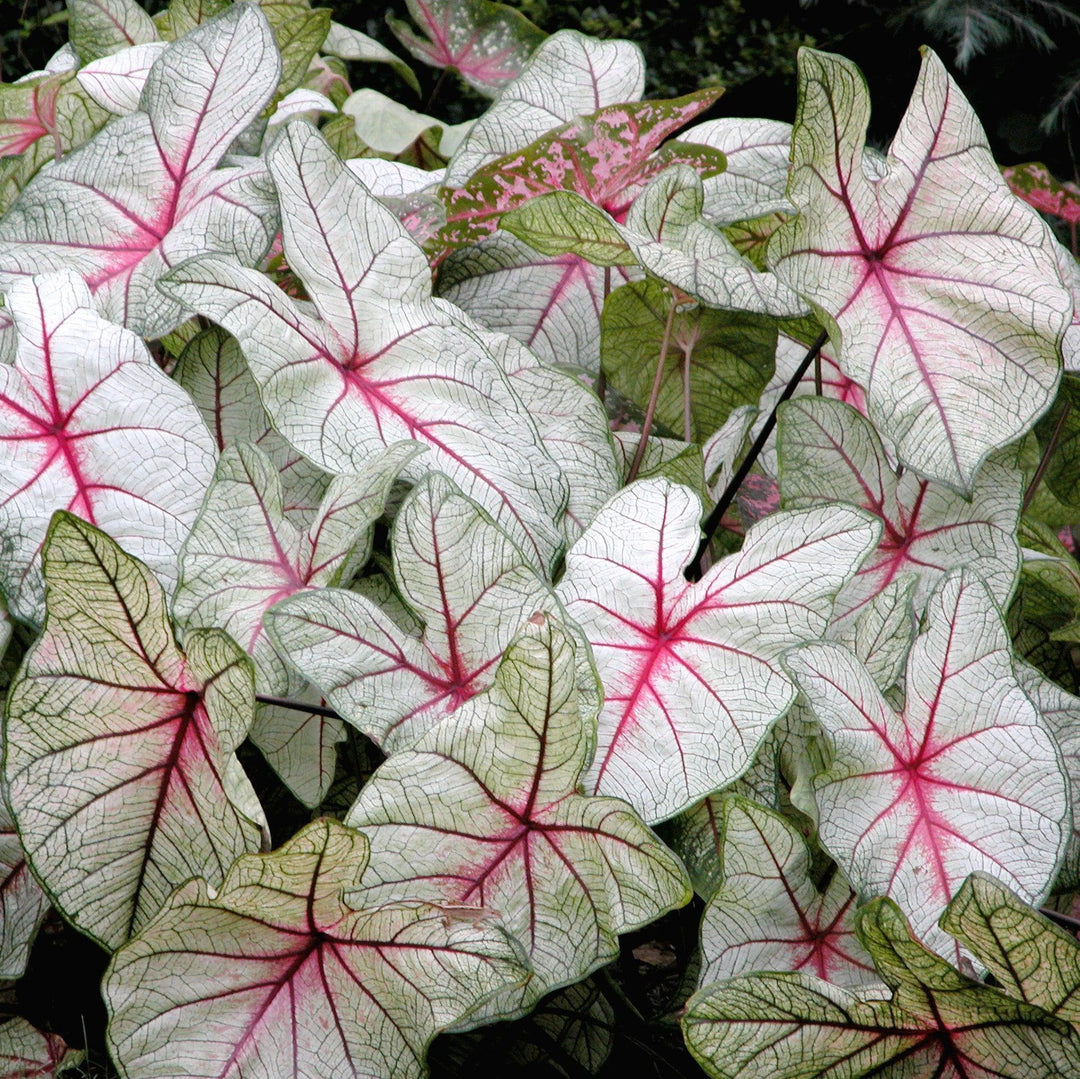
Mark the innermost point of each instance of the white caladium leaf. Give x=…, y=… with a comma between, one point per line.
x=309, y=104
x=768, y=914
x=119, y=746
x=89, y=423
x=29, y=1053
x=937, y=1022
x=552, y=305
x=671, y=458
x=214, y=372
x=145, y=193
x=486, y=809
x=116, y=81
x=289, y=972
x=882, y=256
x=389, y=127
x=350, y=44
x=964, y=778
x=382, y=362
x=22, y=902
x=466, y=581
x=691, y=672
x=723, y=448
x=1060, y=712
x=755, y=181
x=828, y=452
x=393, y=179
x=568, y=75
x=243, y=555
x=102, y=27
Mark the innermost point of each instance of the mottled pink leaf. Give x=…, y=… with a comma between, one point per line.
x=1036, y=185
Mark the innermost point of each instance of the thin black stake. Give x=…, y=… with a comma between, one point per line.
x=712, y=522
x=298, y=706
x=817, y=375
x=1044, y=461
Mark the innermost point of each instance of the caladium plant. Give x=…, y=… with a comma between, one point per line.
x=630, y=468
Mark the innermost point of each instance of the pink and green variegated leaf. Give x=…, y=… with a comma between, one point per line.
x=935, y=282
x=214, y=372
x=1037, y=186
x=552, y=305
x=290, y=972
x=607, y=157
x=243, y=555
x=964, y=778
x=42, y=117
x=828, y=452
x=102, y=27
x=89, y=423
x=382, y=362
x=569, y=75
x=1060, y=712
x=691, y=672
x=486, y=43
x=116, y=81
x=119, y=762
x=768, y=914
x=461, y=576
x=145, y=193
x=938, y=1024
x=22, y=902
x=486, y=808
x=754, y=183
x=29, y=1053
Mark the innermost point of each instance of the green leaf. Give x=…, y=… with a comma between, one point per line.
x=102, y=27
x=282, y=975
x=298, y=40
x=486, y=808
x=938, y=1022
x=716, y=360
x=119, y=747
x=1063, y=472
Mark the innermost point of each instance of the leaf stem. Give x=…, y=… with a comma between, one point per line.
x=298, y=706
x=435, y=90
x=1071, y=924
x=712, y=522
x=1044, y=461
x=650, y=411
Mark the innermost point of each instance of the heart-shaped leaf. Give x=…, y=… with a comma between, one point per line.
x=383, y=362
x=828, y=452
x=485, y=808
x=145, y=192
x=119, y=746
x=243, y=555
x=568, y=75
x=882, y=256
x=22, y=902
x=116, y=81
x=350, y=44
x=964, y=778
x=461, y=576
x=89, y=423
x=938, y=1022
x=213, y=370
x=485, y=42
x=284, y=977
x=691, y=672
x=29, y=1053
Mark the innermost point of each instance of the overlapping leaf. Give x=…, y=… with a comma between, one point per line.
x=936, y=283
x=116, y=81
x=29, y=1053
x=289, y=972
x=243, y=555
x=691, y=673
x=485, y=42
x=965, y=778
x=486, y=809
x=467, y=582
x=119, y=758
x=146, y=192
x=768, y=914
x=937, y=1023
x=382, y=362
x=828, y=452
x=569, y=75
x=22, y=902
x=102, y=27
x=89, y=423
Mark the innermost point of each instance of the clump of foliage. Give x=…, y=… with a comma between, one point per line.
x=432, y=552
